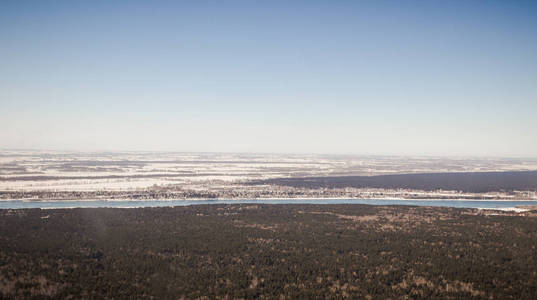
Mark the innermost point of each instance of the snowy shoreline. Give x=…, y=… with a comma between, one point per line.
x=267, y=199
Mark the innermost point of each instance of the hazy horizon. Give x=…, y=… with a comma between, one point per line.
x=322, y=154
x=371, y=78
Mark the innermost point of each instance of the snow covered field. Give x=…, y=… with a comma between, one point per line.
x=29, y=171
x=89, y=171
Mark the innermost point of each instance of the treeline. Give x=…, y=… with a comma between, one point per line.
x=472, y=182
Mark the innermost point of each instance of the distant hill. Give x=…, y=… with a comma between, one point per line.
x=476, y=182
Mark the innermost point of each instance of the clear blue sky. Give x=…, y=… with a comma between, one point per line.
x=353, y=77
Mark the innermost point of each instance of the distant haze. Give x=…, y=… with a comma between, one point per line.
x=342, y=77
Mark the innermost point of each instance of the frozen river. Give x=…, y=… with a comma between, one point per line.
x=487, y=204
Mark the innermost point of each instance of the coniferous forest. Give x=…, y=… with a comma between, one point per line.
x=267, y=251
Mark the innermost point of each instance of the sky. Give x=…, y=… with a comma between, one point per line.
x=453, y=78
